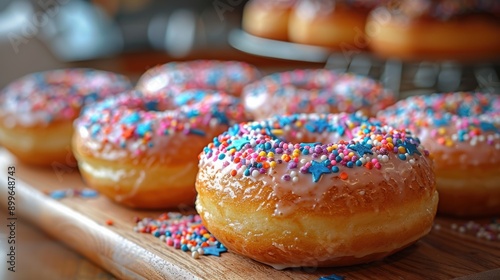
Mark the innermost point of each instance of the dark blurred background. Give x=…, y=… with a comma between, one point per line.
x=120, y=35
x=130, y=36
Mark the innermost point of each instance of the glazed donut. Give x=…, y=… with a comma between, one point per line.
x=275, y=192
x=141, y=150
x=334, y=24
x=314, y=91
x=462, y=133
x=224, y=76
x=436, y=30
x=37, y=111
x=267, y=19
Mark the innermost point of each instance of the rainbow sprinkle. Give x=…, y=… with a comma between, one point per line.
x=182, y=232
x=487, y=231
x=225, y=76
x=140, y=123
x=46, y=97
x=258, y=148
x=314, y=91
x=449, y=118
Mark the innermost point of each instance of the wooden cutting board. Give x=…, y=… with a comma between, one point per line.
x=81, y=223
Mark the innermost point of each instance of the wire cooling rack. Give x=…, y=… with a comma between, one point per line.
x=404, y=78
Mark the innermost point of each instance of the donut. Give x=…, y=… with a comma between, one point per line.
x=333, y=24
x=314, y=91
x=225, y=76
x=316, y=190
x=37, y=111
x=267, y=19
x=436, y=30
x=141, y=150
x=461, y=130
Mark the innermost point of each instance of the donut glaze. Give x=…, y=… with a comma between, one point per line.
x=37, y=110
x=314, y=91
x=436, y=30
x=224, y=76
x=462, y=132
x=267, y=19
x=275, y=192
x=335, y=24
x=141, y=150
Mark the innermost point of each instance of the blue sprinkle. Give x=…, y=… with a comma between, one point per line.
x=321, y=125
x=58, y=194
x=486, y=126
x=267, y=146
x=311, y=144
x=317, y=169
x=361, y=149
x=192, y=114
x=310, y=127
x=332, y=277
x=247, y=172
x=221, y=117
x=189, y=97
x=214, y=251
x=222, y=156
x=402, y=156
x=341, y=130
x=151, y=105
x=213, y=77
x=94, y=130
x=350, y=164
x=143, y=128
x=335, y=169
x=94, y=118
x=461, y=135
x=233, y=130
x=88, y=193
x=90, y=98
x=184, y=247
x=359, y=163
x=132, y=118
x=197, y=132
x=238, y=144
x=411, y=148
x=440, y=122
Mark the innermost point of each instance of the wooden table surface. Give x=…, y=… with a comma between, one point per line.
x=40, y=256
x=81, y=225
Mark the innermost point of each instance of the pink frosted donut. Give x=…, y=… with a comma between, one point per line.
x=225, y=76
x=314, y=91
x=462, y=132
x=316, y=190
x=37, y=110
x=141, y=150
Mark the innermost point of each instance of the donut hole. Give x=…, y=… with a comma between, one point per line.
x=463, y=105
x=318, y=130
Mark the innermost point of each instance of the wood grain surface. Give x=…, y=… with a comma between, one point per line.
x=81, y=224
